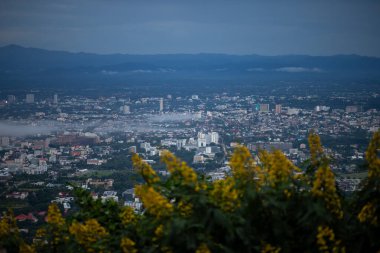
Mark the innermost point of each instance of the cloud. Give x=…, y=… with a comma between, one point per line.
x=142, y=71
x=160, y=70
x=298, y=69
x=255, y=69
x=106, y=72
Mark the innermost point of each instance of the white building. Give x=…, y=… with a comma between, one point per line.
x=198, y=115
x=145, y=145
x=110, y=195
x=55, y=99
x=202, y=142
x=214, y=137
x=126, y=109
x=161, y=104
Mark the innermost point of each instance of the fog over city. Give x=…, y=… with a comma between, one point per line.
x=147, y=123
x=18, y=129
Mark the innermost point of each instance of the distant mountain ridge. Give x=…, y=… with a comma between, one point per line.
x=21, y=65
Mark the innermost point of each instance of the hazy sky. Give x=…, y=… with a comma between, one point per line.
x=316, y=27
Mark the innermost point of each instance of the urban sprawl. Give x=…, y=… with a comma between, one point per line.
x=49, y=144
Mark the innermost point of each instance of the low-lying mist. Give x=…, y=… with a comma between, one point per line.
x=18, y=129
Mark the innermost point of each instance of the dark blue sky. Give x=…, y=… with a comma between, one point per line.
x=268, y=27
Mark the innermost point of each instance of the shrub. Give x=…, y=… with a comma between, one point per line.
x=272, y=206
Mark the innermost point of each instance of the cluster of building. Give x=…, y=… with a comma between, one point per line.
x=76, y=138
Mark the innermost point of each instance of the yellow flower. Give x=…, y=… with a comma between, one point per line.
x=40, y=233
x=372, y=156
x=225, y=195
x=158, y=232
x=278, y=168
x=127, y=245
x=242, y=164
x=154, y=203
x=326, y=241
x=40, y=237
x=54, y=216
x=185, y=209
x=8, y=225
x=200, y=186
x=166, y=249
x=270, y=249
x=287, y=193
x=203, y=249
x=324, y=187
x=128, y=216
x=368, y=214
x=88, y=233
x=178, y=169
x=145, y=170
x=25, y=248
x=316, y=150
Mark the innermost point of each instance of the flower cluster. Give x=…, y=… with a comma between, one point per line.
x=326, y=241
x=88, y=234
x=25, y=248
x=242, y=164
x=146, y=171
x=368, y=214
x=56, y=224
x=225, y=195
x=185, y=209
x=203, y=248
x=127, y=245
x=128, y=216
x=324, y=188
x=372, y=157
x=159, y=231
x=180, y=170
x=8, y=225
x=267, y=248
x=278, y=168
x=316, y=150
x=154, y=203
x=54, y=216
x=39, y=238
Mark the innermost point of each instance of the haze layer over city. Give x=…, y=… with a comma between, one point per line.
x=84, y=86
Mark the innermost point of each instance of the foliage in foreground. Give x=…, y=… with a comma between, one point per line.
x=270, y=207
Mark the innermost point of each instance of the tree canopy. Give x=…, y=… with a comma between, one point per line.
x=265, y=206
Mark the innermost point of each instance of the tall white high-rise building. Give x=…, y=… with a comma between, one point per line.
x=202, y=142
x=201, y=135
x=30, y=98
x=55, y=99
x=214, y=137
x=161, y=104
